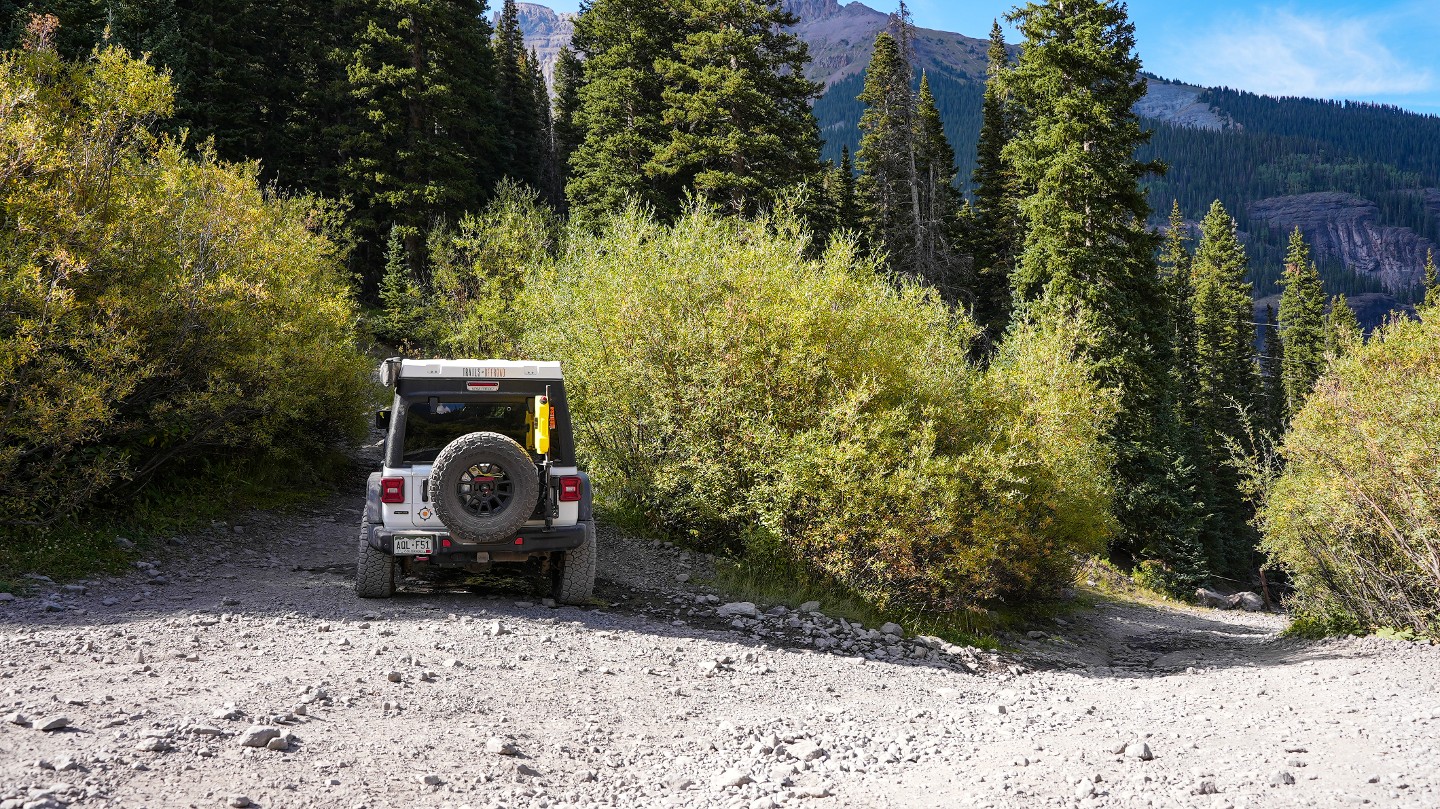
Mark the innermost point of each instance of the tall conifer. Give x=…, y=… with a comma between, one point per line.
x=421, y=142
x=997, y=229
x=1272, y=370
x=1088, y=252
x=1342, y=328
x=520, y=137
x=1302, y=324
x=885, y=157
x=1227, y=389
x=1432, y=280
x=737, y=106
x=568, y=76
x=621, y=109
x=849, y=206
x=937, y=253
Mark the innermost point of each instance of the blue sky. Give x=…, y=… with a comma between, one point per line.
x=1386, y=51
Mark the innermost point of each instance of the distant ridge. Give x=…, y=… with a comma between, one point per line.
x=1362, y=182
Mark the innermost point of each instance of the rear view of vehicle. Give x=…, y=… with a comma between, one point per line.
x=479, y=470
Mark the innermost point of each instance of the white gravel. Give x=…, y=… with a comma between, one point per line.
x=238, y=669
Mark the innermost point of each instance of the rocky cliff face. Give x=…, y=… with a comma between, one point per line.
x=1348, y=228
x=1180, y=104
x=546, y=32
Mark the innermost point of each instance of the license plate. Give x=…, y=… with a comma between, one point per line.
x=414, y=546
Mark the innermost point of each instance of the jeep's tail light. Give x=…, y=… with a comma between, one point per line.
x=569, y=489
x=392, y=490
x=482, y=387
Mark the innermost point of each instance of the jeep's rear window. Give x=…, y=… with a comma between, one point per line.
x=429, y=426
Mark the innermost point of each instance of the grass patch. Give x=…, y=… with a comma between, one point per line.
x=87, y=546
x=1103, y=577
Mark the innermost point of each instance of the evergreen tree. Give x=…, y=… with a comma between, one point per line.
x=520, y=138
x=937, y=250
x=1342, y=328
x=421, y=142
x=1432, y=280
x=1191, y=441
x=1175, y=267
x=737, y=106
x=885, y=158
x=1302, y=324
x=1088, y=253
x=1272, y=370
x=848, y=205
x=621, y=109
x=1227, y=387
x=997, y=229
x=551, y=175
x=401, y=299
x=568, y=76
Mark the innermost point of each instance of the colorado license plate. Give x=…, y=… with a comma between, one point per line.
x=414, y=546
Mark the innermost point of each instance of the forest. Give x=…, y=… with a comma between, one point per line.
x=207, y=224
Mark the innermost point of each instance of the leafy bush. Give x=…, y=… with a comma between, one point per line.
x=479, y=268
x=820, y=414
x=158, y=312
x=1355, y=514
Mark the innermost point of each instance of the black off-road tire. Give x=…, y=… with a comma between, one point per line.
x=374, y=570
x=573, y=580
x=473, y=516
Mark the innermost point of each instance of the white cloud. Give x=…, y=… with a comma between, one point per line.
x=1317, y=55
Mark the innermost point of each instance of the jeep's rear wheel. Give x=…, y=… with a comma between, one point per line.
x=484, y=487
x=374, y=570
x=573, y=572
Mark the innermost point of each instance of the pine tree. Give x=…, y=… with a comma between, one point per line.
x=1302, y=324
x=884, y=159
x=1175, y=266
x=568, y=76
x=1191, y=440
x=1227, y=389
x=737, y=106
x=551, y=175
x=1272, y=370
x=421, y=142
x=997, y=230
x=520, y=139
x=937, y=251
x=401, y=300
x=621, y=109
x=1342, y=328
x=1432, y=280
x=849, y=205
x=1088, y=253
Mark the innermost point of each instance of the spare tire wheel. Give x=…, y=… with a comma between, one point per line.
x=484, y=487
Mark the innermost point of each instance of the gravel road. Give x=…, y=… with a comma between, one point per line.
x=236, y=668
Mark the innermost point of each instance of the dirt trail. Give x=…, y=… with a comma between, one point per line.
x=444, y=697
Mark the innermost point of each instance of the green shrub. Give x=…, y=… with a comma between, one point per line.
x=158, y=312
x=1355, y=514
x=479, y=268
x=730, y=390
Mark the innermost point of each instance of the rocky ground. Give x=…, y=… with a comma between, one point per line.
x=237, y=668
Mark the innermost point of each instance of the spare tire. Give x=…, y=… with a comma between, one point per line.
x=484, y=487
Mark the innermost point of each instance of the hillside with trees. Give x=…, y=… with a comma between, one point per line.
x=927, y=378
x=1260, y=156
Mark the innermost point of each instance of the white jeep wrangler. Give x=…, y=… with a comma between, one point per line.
x=479, y=469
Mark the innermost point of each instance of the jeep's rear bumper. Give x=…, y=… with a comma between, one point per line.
x=525, y=541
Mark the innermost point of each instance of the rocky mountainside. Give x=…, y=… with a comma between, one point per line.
x=1348, y=229
x=840, y=37
x=546, y=32
x=1361, y=181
